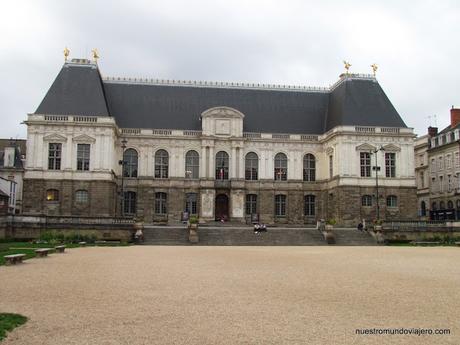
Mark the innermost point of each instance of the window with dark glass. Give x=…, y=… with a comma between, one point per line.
x=190, y=203
x=331, y=167
x=390, y=164
x=423, y=209
x=309, y=167
x=434, y=206
x=192, y=165
x=442, y=206
x=450, y=204
x=280, y=205
x=309, y=205
x=54, y=156
x=83, y=152
x=161, y=164
x=251, y=204
x=222, y=164
x=81, y=196
x=392, y=201
x=366, y=200
x=130, y=163
x=280, y=167
x=251, y=166
x=52, y=195
x=129, y=203
x=160, y=203
x=365, y=162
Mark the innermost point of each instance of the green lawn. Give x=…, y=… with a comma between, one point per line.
x=8, y=322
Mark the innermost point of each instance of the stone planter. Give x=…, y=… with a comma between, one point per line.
x=193, y=233
x=377, y=228
x=329, y=227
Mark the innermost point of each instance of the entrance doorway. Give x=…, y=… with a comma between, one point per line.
x=221, y=207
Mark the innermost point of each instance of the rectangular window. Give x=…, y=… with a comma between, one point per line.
x=160, y=203
x=83, y=156
x=390, y=164
x=251, y=204
x=457, y=161
x=331, y=167
x=433, y=165
x=440, y=163
x=190, y=203
x=441, y=184
x=422, y=179
x=280, y=205
x=449, y=183
x=309, y=207
x=365, y=161
x=54, y=156
x=448, y=161
x=129, y=203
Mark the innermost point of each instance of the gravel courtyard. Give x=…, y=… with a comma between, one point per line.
x=234, y=295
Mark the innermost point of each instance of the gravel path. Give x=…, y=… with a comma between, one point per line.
x=234, y=295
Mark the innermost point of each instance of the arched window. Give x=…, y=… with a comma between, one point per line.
x=309, y=205
x=434, y=206
x=160, y=203
x=252, y=166
x=423, y=209
x=190, y=203
x=392, y=201
x=81, y=196
x=366, y=200
x=280, y=167
x=450, y=204
x=251, y=204
x=161, y=164
x=442, y=205
x=280, y=205
x=129, y=203
x=309, y=167
x=222, y=165
x=192, y=164
x=457, y=204
x=130, y=163
x=52, y=195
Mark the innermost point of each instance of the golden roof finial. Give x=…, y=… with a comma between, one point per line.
x=347, y=65
x=66, y=53
x=95, y=54
x=374, y=68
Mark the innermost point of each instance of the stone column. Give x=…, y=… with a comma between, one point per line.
x=207, y=204
x=233, y=163
x=68, y=145
x=203, y=166
x=237, y=205
x=241, y=163
x=212, y=160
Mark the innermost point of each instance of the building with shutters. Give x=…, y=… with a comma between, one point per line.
x=109, y=146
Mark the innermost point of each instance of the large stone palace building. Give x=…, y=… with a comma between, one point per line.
x=226, y=151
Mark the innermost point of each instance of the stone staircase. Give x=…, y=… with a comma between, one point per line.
x=234, y=236
x=353, y=237
x=244, y=236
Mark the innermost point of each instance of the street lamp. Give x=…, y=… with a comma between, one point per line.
x=376, y=168
x=122, y=163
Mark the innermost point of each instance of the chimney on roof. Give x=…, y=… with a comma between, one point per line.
x=432, y=131
x=454, y=117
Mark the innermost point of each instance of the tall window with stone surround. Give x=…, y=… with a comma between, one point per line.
x=309, y=205
x=251, y=204
x=251, y=166
x=129, y=202
x=161, y=164
x=366, y=200
x=365, y=164
x=392, y=201
x=81, y=197
x=190, y=203
x=54, y=156
x=83, y=152
x=160, y=203
x=222, y=164
x=309, y=167
x=331, y=166
x=192, y=165
x=280, y=167
x=130, y=163
x=280, y=205
x=390, y=164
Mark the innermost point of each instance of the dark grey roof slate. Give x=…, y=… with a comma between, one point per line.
x=77, y=90
x=361, y=102
x=180, y=107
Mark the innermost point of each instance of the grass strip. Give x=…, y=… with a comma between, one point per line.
x=8, y=322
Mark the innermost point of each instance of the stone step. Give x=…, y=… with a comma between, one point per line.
x=353, y=238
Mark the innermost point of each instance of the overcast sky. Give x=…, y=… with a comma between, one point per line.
x=415, y=43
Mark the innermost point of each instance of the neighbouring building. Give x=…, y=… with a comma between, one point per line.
x=158, y=148
x=422, y=174
x=12, y=161
x=444, y=170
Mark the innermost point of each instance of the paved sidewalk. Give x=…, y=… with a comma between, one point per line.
x=234, y=295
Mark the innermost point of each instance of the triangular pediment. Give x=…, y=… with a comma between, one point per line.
x=392, y=148
x=84, y=139
x=365, y=147
x=55, y=138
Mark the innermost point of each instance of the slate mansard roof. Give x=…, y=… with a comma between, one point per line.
x=80, y=90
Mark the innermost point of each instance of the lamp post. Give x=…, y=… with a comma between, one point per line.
x=122, y=163
x=376, y=168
